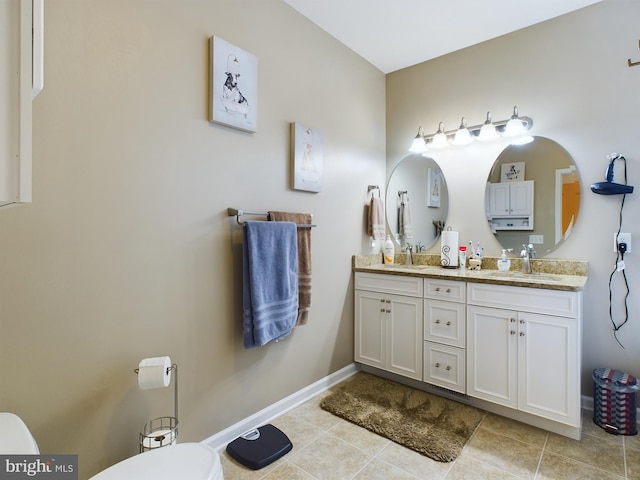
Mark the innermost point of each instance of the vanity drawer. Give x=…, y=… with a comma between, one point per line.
x=451, y=290
x=398, y=284
x=525, y=299
x=444, y=322
x=445, y=366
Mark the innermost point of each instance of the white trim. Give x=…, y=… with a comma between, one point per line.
x=222, y=438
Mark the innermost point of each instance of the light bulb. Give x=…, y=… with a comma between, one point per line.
x=440, y=138
x=419, y=145
x=515, y=126
x=463, y=137
x=488, y=130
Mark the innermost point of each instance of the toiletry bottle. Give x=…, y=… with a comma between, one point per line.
x=462, y=253
x=504, y=264
x=389, y=251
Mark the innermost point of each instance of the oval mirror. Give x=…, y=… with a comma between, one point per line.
x=533, y=196
x=417, y=202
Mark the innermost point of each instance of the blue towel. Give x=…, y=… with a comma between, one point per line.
x=270, y=281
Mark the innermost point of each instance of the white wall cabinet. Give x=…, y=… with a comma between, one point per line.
x=525, y=354
x=388, y=323
x=21, y=78
x=510, y=205
x=444, y=334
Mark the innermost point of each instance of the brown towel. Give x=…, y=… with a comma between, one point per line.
x=304, y=259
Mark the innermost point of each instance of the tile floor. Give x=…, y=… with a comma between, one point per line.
x=326, y=447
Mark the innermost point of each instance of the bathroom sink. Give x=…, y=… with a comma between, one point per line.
x=525, y=276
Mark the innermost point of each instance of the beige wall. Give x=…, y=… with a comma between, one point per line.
x=127, y=251
x=570, y=75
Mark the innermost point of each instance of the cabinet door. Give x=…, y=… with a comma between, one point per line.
x=498, y=199
x=370, y=328
x=404, y=336
x=521, y=198
x=548, y=367
x=492, y=355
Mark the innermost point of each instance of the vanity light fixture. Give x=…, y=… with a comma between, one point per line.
x=488, y=130
x=462, y=137
x=439, y=140
x=419, y=145
x=515, y=128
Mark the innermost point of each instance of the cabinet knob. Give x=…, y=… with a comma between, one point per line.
x=382, y=310
x=437, y=289
x=513, y=320
x=448, y=368
x=437, y=365
x=388, y=311
x=521, y=322
x=448, y=323
x=382, y=300
x=448, y=290
x=437, y=321
x=512, y=332
x=388, y=301
x=522, y=334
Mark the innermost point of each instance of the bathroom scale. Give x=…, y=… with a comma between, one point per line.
x=259, y=447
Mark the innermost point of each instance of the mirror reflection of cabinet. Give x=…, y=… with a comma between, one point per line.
x=510, y=205
x=557, y=194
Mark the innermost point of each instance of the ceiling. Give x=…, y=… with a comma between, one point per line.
x=394, y=34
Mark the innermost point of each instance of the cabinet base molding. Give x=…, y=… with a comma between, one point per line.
x=533, y=420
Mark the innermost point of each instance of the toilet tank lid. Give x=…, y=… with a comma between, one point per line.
x=15, y=437
x=194, y=461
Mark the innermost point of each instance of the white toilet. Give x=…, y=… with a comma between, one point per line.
x=187, y=461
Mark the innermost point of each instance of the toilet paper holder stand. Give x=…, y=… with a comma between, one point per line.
x=162, y=431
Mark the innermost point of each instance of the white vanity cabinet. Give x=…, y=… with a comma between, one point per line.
x=444, y=334
x=523, y=349
x=388, y=323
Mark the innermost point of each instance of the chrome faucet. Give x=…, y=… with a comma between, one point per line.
x=527, y=254
x=408, y=257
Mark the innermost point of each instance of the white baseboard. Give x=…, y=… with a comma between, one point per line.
x=222, y=438
x=587, y=403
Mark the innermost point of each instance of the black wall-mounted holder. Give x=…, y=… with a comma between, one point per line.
x=608, y=187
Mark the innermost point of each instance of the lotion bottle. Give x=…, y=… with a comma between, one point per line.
x=389, y=250
x=504, y=264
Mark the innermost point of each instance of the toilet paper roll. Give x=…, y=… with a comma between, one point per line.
x=154, y=373
x=449, y=249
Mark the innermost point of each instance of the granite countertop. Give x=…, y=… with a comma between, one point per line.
x=553, y=274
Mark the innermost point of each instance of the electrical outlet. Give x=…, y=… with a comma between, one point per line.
x=536, y=239
x=622, y=238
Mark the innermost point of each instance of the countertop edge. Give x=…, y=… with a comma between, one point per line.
x=548, y=281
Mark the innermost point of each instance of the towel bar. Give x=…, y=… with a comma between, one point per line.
x=234, y=212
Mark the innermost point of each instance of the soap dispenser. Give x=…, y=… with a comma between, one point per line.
x=504, y=264
x=388, y=250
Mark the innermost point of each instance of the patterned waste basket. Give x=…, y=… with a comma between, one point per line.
x=614, y=401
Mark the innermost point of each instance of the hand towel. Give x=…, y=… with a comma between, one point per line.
x=270, y=281
x=304, y=259
x=406, y=227
x=375, y=228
